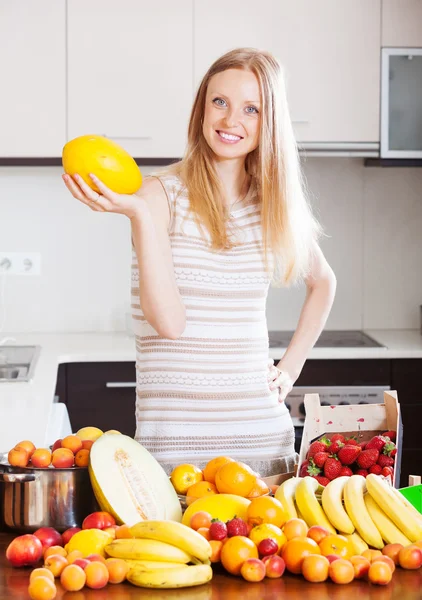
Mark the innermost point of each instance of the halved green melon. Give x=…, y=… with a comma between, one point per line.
x=129, y=483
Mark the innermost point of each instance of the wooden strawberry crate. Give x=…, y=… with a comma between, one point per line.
x=360, y=420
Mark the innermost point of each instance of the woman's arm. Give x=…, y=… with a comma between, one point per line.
x=160, y=299
x=321, y=287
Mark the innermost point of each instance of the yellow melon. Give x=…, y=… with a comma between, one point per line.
x=105, y=159
x=219, y=506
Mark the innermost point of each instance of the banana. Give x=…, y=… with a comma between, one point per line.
x=401, y=516
x=146, y=550
x=332, y=503
x=309, y=506
x=358, y=513
x=389, y=532
x=405, y=501
x=173, y=578
x=172, y=532
x=286, y=494
x=152, y=564
x=359, y=545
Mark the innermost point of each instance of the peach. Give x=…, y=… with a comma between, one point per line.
x=72, y=442
x=87, y=444
x=341, y=571
x=57, y=444
x=95, y=558
x=69, y=533
x=253, y=569
x=73, y=578
x=82, y=458
x=274, y=566
x=361, y=566
x=216, y=546
x=42, y=588
x=315, y=568
x=81, y=562
x=63, y=458
x=41, y=572
x=72, y=556
x=317, y=533
x=41, y=458
x=387, y=560
x=55, y=563
x=379, y=573
x=89, y=433
x=55, y=550
x=123, y=532
x=29, y=447
x=371, y=554
x=18, y=457
x=117, y=570
x=392, y=550
x=410, y=557
x=96, y=575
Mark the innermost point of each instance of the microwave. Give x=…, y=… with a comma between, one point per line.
x=401, y=103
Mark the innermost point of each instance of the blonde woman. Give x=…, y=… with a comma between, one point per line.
x=209, y=235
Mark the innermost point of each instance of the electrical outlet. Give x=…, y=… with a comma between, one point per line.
x=20, y=263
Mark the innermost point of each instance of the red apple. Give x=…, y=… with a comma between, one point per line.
x=98, y=520
x=48, y=536
x=66, y=535
x=24, y=550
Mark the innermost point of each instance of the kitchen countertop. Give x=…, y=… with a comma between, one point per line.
x=405, y=584
x=28, y=411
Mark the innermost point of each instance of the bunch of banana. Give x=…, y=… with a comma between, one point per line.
x=160, y=552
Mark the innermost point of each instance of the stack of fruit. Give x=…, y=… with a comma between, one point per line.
x=71, y=451
x=328, y=458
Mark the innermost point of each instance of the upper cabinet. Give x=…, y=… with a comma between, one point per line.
x=402, y=23
x=130, y=73
x=330, y=52
x=33, y=78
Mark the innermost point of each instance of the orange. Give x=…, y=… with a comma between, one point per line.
x=295, y=550
x=315, y=568
x=336, y=544
x=235, y=478
x=266, y=509
x=265, y=531
x=259, y=489
x=183, y=476
x=295, y=528
x=235, y=551
x=213, y=465
x=198, y=490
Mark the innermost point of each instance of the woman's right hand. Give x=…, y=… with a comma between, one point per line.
x=106, y=200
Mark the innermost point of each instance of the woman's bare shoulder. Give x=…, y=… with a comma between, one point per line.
x=154, y=193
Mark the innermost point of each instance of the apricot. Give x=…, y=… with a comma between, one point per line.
x=41, y=458
x=95, y=558
x=371, y=554
x=41, y=572
x=96, y=575
x=342, y=571
x=315, y=568
x=63, y=458
x=274, y=566
x=205, y=532
x=72, y=556
x=55, y=563
x=410, y=557
x=86, y=444
x=81, y=562
x=73, y=443
x=387, y=560
x=392, y=550
x=82, y=458
x=379, y=573
x=117, y=570
x=200, y=519
x=42, y=588
x=111, y=531
x=18, y=457
x=216, y=546
x=55, y=550
x=29, y=447
x=295, y=528
x=253, y=569
x=360, y=565
x=317, y=533
x=123, y=531
x=73, y=578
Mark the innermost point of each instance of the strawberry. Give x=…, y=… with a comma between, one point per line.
x=367, y=458
x=390, y=434
x=363, y=445
x=362, y=472
x=310, y=469
x=320, y=458
x=376, y=469
x=352, y=442
x=218, y=530
x=393, y=453
x=236, y=526
x=303, y=468
x=337, y=437
x=346, y=471
x=348, y=454
x=377, y=442
x=322, y=480
x=335, y=446
x=318, y=446
x=389, y=448
x=387, y=471
x=385, y=461
x=332, y=467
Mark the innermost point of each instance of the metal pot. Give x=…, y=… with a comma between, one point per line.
x=31, y=498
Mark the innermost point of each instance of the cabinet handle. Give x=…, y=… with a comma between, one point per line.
x=121, y=384
x=127, y=137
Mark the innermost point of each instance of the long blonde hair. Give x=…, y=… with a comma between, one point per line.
x=289, y=228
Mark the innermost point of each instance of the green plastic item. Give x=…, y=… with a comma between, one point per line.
x=413, y=493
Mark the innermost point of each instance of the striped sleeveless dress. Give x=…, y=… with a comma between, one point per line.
x=207, y=394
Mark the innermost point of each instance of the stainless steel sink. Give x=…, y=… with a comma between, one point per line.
x=17, y=363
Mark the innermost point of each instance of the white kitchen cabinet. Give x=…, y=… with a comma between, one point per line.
x=33, y=79
x=130, y=73
x=330, y=52
x=402, y=23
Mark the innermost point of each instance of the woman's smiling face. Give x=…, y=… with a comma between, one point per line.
x=232, y=114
